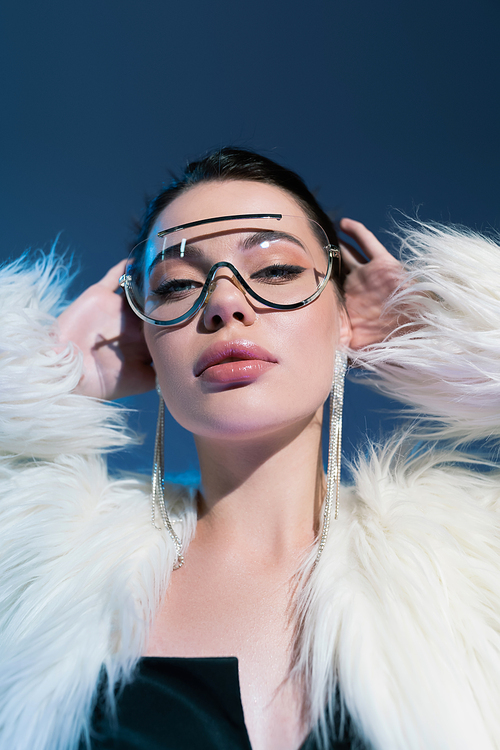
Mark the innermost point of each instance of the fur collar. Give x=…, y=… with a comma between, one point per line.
x=402, y=608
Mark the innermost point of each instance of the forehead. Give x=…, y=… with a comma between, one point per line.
x=225, y=198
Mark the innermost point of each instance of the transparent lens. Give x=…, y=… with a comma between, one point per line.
x=280, y=262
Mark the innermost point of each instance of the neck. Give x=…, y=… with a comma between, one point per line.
x=263, y=495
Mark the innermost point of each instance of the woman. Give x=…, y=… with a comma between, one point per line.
x=383, y=632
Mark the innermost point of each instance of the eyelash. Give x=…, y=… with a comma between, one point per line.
x=276, y=272
x=167, y=288
x=287, y=271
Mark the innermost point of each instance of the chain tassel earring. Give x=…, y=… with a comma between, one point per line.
x=334, y=449
x=157, y=484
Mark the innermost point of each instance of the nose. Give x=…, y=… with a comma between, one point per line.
x=227, y=301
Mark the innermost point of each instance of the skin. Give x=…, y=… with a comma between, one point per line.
x=233, y=595
x=303, y=341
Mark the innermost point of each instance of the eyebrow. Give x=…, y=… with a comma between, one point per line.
x=268, y=235
x=189, y=250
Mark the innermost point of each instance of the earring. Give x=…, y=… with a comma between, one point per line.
x=334, y=449
x=157, y=484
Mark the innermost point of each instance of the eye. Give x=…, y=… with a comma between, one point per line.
x=175, y=289
x=278, y=273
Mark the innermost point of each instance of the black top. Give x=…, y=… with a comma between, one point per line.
x=181, y=704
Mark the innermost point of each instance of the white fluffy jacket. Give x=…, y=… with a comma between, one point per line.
x=403, y=608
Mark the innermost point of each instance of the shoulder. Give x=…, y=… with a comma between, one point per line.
x=409, y=594
x=83, y=570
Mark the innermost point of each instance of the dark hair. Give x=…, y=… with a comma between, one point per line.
x=231, y=163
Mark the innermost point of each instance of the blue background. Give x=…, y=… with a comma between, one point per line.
x=380, y=106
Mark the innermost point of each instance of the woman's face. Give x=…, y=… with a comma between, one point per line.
x=239, y=369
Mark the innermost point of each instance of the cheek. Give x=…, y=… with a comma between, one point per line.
x=310, y=354
x=172, y=365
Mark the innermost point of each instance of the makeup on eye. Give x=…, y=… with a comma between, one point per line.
x=178, y=286
x=277, y=273
x=183, y=267
x=274, y=254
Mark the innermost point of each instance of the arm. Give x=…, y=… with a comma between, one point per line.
x=41, y=414
x=445, y=359
x=81, y=563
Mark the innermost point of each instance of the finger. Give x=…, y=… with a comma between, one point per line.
x=111, y=279
x=351, y=257
x=367, y=241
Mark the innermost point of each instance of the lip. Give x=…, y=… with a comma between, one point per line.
x=231, y=351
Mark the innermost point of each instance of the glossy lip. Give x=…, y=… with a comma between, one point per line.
x=231, y=351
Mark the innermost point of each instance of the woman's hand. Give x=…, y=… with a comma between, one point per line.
x=368, y=284
x=116, y=360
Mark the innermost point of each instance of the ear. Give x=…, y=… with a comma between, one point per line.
x=345, y=328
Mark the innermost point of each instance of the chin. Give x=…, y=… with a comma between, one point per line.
x=240, y=411
x=247, y=424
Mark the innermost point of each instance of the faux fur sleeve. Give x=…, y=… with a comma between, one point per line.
x=40, y=416
x=447, y=366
